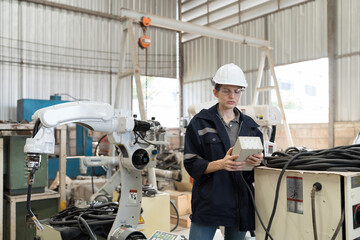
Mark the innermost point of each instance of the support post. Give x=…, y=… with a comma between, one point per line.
x=135, y=62
x=119, y=96
x=331, y=48
x=62, y=168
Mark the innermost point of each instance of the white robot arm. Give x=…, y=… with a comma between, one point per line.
x=137, y=141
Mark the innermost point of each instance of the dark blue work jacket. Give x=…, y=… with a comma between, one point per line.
x=219, y=198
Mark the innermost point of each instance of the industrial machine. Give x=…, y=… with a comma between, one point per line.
x=138, y=143
x=335, y=208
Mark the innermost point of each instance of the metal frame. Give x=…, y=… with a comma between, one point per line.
x=175, y=25
x=266, y=52
x=130, y=16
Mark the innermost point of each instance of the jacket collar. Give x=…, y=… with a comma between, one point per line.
x=211, y=115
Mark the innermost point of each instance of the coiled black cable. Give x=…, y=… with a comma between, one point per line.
x=95, y=216
x=342, y=158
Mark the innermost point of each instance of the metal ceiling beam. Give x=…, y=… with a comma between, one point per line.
x=175, y=25
x=163, y=22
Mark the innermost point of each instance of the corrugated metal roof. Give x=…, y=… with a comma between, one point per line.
x=223, y=14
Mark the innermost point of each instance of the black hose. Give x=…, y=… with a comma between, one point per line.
x=87, y=227
x=97, y=145
x=28, y=197
x=36, y=127
x=92, y=179
x=339, y=225
x=313, y=215
x=177, y=216
x=342, y=158
x=273, y=133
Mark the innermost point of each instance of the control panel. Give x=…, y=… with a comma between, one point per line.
x=160, y=235
x=247, y=146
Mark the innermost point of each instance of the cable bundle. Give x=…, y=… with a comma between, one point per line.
x=342, y=158
x=96, y=219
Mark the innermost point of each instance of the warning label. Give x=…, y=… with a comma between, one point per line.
x=294, y=194
x=133, y=196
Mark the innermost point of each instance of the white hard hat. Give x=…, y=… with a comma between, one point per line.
x=230, y=74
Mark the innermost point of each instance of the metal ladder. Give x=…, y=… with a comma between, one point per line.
x=266, y=52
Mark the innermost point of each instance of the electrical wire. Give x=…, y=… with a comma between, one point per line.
x=342, y=158
x=256, y=210
x=177, y=216
x=98, y=144
x=28, y=198
x=313, y=214
x=87, y=227
x=95, y=216
x=142, y=138
x=92, y=168
x=36, y=127
x=339, y=225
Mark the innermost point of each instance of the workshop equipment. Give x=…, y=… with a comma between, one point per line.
x=138, y=143
x=340, y=191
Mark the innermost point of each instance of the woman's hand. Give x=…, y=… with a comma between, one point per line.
x=227, y=163
x=255, y=160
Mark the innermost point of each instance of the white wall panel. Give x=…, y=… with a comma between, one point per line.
x=299, y=33
x=348, y=61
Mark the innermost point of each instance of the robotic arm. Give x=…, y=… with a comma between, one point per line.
x=137, y=141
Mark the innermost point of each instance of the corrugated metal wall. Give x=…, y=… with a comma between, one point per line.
x=348, y=61
x=297, y=34
x=46, y=50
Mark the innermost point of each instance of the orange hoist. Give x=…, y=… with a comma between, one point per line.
x=144, y=41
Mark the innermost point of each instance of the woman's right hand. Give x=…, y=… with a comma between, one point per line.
x=227, y=163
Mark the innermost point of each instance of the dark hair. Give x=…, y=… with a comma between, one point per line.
x=217, y=86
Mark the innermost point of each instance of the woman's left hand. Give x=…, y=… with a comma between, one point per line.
x=255, y=160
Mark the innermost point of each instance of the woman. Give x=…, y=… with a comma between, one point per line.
x=219, y=195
